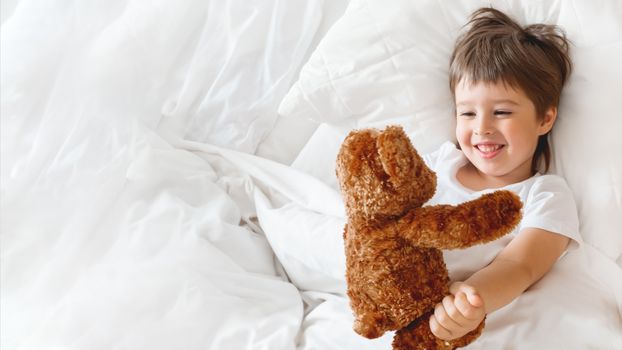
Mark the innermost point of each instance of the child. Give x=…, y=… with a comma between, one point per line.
x=506, y=81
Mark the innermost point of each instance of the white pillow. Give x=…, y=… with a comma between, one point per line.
x=384, y=63
x=289, y=135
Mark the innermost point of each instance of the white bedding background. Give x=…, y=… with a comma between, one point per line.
x=111, y=237
x=153, y=198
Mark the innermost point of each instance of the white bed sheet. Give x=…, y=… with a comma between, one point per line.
x=123, y=227
x=160, y=261
x=110, y=236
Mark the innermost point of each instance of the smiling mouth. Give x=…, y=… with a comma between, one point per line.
x=488, y=148
x=489, y=151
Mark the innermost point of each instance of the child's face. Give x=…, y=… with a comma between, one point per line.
x=497, y=129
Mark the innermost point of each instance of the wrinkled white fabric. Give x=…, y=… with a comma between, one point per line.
x=208, y=71
x=118, y=232
x=111, y=237
x=577, y=305
x=158, y=256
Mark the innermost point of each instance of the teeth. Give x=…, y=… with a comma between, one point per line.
x=488, y=148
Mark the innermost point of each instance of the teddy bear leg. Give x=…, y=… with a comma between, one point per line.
x=369, y=325
x=418, y=336
x=468, y=338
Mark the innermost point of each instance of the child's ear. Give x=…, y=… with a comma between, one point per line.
x=546, y=124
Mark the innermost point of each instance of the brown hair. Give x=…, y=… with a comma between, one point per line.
x=534, y=58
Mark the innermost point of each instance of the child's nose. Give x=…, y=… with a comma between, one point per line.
x=483, y=126
x=482, y=131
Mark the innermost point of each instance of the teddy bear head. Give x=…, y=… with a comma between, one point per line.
x=381, y=174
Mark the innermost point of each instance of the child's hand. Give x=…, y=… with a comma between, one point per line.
x=459, y=313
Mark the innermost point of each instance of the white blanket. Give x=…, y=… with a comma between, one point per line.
x=160, y=260
x=125, y=223
x=112, y=238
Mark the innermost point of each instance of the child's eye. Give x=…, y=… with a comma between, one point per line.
x=467, y=114
x=502, y=112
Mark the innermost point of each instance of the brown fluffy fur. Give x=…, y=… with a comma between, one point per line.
x=394, y=266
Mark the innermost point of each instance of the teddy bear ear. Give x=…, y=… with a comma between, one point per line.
x=352, y=152
x=397, y=154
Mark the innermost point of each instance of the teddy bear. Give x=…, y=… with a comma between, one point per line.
x=395, y=271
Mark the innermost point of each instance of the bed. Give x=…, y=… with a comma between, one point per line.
x=167, y=168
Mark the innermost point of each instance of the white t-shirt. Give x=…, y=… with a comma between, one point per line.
x=548, y=204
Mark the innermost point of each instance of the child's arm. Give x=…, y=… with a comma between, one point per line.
x=519, y=265
x=523, y=262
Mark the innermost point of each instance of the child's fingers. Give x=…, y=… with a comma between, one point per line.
x=444, y=319
x=475, y=300
x=455, y=287
x=465, y=308
x=449, y=306
x=438, y=330
x=472, y=294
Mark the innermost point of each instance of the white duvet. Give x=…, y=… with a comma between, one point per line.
x=134, y=214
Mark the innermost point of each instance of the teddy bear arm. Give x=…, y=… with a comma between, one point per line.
x=431, y=227
x=453, y=227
